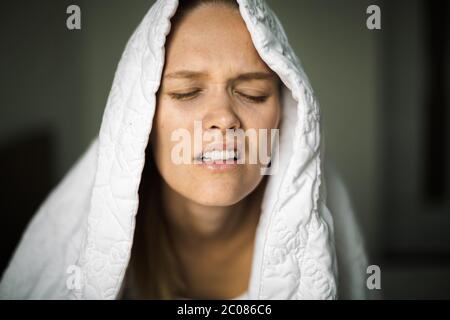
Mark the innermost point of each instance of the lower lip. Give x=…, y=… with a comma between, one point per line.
x=218, y=166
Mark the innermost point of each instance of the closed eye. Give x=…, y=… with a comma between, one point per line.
x=184, y=95
x=255, y=99
x=194, y=93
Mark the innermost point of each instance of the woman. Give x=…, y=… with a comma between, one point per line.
x=135, y=218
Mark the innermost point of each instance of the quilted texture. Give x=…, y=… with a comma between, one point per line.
x=89, y=219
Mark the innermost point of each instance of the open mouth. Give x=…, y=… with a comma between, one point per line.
x=219, y=156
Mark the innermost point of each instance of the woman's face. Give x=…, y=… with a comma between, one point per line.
x=213, y=74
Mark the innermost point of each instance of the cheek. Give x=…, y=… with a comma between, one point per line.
x=167, y=120
x=275, y=115
x=176, y=176
x=265, y=124
x=163, y=127
x=266, y=118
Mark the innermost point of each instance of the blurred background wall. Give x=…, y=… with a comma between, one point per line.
x=383, y=94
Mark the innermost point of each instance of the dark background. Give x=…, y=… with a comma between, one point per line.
x=383, y=94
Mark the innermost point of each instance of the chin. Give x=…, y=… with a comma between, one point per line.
x=218, y=197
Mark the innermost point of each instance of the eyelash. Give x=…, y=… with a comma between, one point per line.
x=184, y=96
x=255, y=99
x=192, y=94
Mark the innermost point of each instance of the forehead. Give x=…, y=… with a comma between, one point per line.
x=214, y=38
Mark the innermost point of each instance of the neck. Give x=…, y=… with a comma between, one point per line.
x=193, y=222
x=214, y=243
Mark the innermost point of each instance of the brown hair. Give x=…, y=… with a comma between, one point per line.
x=154, y=271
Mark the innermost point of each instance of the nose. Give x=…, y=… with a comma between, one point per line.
x=220, y=115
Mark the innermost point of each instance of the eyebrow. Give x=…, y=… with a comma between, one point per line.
x=247, y=76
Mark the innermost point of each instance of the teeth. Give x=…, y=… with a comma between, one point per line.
x=221, y=155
